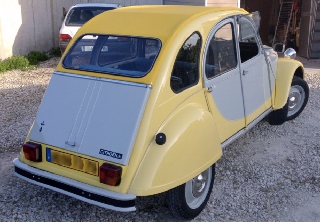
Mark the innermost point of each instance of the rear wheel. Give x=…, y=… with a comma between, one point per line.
x=188, y=200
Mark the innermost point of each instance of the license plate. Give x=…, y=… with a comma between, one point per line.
x=72, y=161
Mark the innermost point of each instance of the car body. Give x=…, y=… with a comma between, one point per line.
x=76, y=16
x=147, y=104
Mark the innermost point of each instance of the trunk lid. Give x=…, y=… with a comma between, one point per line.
x=92, y=116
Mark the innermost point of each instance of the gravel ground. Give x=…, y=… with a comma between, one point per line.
x=270, y=174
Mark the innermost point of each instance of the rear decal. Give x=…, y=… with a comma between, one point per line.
x=110, y=153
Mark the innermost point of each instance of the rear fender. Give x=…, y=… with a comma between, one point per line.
x=287, y=68
x=192, y=145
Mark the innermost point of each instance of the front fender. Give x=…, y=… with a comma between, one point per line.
x=285, y=72
x=192, y=146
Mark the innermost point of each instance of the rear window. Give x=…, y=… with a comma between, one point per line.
x=119, y=55
x=80, y=15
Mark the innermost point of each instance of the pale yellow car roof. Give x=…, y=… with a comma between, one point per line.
x=150, y=21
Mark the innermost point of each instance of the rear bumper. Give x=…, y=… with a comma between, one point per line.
x=90, y=194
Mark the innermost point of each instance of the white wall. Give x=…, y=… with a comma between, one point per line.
x=33, y=25
x=222, y=3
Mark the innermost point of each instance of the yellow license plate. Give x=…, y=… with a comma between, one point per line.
x=72, y=161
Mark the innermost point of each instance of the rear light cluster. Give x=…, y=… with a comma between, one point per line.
x=65, y=37
x=32, y=151
x=110, y=174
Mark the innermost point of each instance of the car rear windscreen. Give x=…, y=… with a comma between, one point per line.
x=119, y=55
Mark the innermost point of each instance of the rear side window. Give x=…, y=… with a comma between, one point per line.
x=80, y=15
x=185, y=71
x=120, y=55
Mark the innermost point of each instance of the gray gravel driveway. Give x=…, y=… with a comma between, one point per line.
x=270, y=174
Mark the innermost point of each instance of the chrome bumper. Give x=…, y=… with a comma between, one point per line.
x=90, y=194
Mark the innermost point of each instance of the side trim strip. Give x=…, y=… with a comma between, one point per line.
x=103, y=79
x=243, y=131
x=125, y=204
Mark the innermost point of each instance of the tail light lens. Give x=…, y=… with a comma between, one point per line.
x=110, y=174
x=65, y=37
x=32, y=151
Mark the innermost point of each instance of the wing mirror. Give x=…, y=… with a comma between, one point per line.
x=290, y=53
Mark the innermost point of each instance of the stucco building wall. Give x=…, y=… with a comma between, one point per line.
x=221, y=3
x=33, y=25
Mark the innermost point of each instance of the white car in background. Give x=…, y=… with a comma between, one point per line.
x=77, y=15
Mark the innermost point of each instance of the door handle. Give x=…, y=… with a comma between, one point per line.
x=70, y=143
x=244, y=72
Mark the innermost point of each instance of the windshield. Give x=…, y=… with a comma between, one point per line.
x=80, y=15
x=120, y=55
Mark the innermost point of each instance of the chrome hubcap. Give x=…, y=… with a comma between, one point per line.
x=199, y=183
x=197, y=189
x=296, y=98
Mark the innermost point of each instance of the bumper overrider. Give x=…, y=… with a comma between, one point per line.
x=90, y=194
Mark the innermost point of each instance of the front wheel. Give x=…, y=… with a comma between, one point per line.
x=298, y=97
x=188, y=200
x=297, y=100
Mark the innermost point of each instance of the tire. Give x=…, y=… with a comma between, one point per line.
x=188, y=200
x=297, y=100
x=279, y=116
x=298, y=97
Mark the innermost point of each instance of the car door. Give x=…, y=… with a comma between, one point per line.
x=221, y=74
x=254, y=71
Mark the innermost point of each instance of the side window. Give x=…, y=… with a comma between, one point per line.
x=221, y=53
x=247, y=40
x=185, y=71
